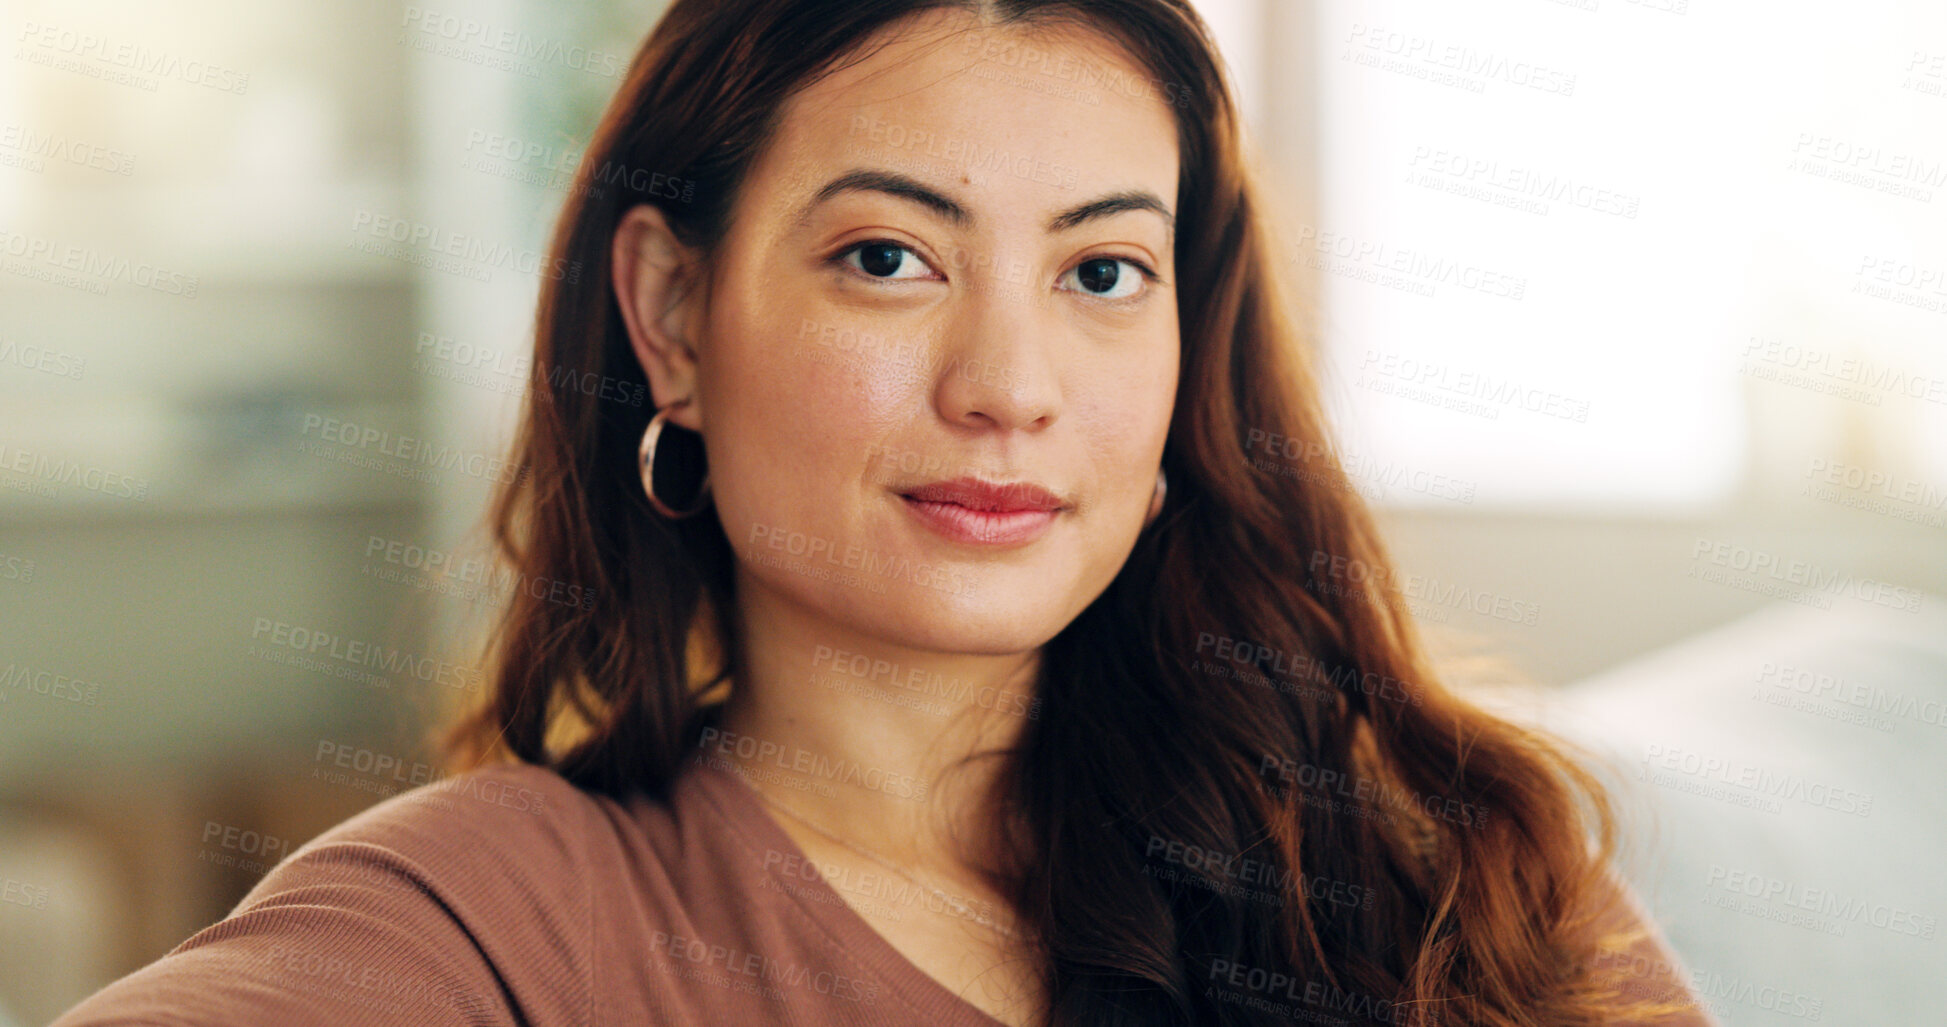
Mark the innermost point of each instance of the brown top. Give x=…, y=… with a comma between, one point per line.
x=507, y=895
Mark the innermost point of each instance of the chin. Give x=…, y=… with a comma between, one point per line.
x=988, y=623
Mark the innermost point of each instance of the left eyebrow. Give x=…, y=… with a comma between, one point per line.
x=1114, y=203
x=893, y=183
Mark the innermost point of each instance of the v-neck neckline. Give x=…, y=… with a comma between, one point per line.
x=739, y=804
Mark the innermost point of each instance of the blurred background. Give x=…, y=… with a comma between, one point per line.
x=1634, y=316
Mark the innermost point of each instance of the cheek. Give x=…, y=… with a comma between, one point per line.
x=797, y=416
x=1124, y=413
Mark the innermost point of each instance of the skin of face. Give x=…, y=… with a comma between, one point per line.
x=825, y=378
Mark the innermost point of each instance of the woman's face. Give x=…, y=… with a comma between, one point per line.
x=976, y=306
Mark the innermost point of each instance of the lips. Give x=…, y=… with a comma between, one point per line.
x=996, y=497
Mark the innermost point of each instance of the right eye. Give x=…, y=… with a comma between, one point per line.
x=884, y=259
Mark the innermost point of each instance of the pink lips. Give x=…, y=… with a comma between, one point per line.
x=971, y=510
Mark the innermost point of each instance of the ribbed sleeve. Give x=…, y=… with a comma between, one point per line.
x=459, y=903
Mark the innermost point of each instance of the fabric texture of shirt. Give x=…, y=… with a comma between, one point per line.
x=507, y=895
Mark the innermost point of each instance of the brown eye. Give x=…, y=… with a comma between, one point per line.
x=882, y=258
x=1110, y=278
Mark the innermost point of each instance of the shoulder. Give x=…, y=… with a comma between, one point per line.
x=520, y=808
x=488, y=870
x=504, y=849
x=463, y=836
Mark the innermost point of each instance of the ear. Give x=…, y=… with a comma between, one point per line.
x=657, y=285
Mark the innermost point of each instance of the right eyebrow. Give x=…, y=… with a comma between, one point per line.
x=893, y=184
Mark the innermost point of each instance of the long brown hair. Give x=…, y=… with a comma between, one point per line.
x=1248, y=691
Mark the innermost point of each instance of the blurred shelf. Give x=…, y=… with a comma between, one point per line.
x=258, y=453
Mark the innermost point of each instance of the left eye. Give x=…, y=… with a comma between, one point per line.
x=1107, y=278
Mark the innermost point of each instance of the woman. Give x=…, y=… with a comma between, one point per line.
x=971, y=648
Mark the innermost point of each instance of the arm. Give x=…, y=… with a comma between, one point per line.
x=345, y=933
x=460, y=903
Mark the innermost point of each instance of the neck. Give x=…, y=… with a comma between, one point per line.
x=865, y=737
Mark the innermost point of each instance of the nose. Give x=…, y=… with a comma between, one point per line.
x=1001, y=361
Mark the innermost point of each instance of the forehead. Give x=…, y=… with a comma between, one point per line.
x=1013, y=123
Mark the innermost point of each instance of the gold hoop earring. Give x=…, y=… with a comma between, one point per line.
x=646, y=460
